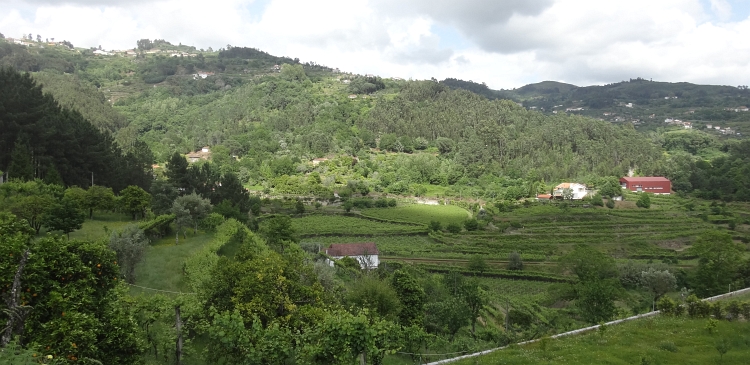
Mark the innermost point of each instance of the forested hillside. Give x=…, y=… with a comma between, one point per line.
x=222, y=177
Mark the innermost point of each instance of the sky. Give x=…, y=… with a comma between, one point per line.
x=503, y=43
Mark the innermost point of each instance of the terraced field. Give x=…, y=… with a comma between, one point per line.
x=420, y=213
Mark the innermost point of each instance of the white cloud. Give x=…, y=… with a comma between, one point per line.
x=505, y=43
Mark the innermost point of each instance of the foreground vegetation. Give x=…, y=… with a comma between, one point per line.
x=660, y=340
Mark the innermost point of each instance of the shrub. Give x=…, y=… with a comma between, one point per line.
x=734, y=309
x=299, y=207
x=717, y=310
x=453, y=228
x=514, y=261
x=435, y=226
x=644, y=201
x=597, y=200
x=697, y=308
x=478, y=264
x=611, y=204
x=667, y=306
x=348, y=205
x=381, y=203
x=212, y=221
x=668, y=346
x=471, y=224
x=392, y=203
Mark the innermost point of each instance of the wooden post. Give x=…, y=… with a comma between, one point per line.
x=178, y=325
x=12, y=301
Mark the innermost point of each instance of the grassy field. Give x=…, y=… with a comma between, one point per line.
x=660, y=340
x=102, y=223
x=420, y=213
x=161, y=267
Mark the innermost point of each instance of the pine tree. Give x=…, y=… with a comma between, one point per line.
x=21, y=166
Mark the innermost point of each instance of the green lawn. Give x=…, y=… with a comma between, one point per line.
x=420, y=213
x=660, y=340
x=102, y=223
x=161, y=267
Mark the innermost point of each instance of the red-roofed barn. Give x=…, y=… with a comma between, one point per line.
x=649, y=184
x=365, y=253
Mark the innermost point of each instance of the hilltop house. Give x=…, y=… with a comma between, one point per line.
x=574, y=191
x=648, y=184
x=365, y=253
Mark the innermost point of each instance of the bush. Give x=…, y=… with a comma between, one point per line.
x=348, y=205
x=514, y=261
x=644, y=201
x=717, y=310
x=471, y=224
x=453, y=228
x=212, y=221
x=611, y=204
x=478, y=264
x=667, y=306
x=435, y=226
x=392, y=203
x=381, y=203
x=299, y=207
x=597, y=200
x=697, y=308
x=668, y=346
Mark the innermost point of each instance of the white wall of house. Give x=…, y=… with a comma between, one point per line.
x=365, y=261
x=579, y=191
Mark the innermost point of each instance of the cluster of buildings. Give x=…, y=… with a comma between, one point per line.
x=727, y=130
x=686, y=125
x=648, y=184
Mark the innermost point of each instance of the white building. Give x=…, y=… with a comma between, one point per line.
x=574, y=190
x=365, y=253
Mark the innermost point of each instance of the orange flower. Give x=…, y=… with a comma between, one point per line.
x=63, y=314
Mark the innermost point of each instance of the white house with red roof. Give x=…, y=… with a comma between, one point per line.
x=574, y=190
x=365, y=253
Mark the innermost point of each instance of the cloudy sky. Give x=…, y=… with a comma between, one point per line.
x=505, y=43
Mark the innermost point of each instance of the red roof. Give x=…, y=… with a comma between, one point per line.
x=352, y=249
x=645, y=178
x=544, y=196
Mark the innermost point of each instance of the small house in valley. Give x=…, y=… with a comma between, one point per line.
x=572, y=191
x=365, y=253
x=647, y=184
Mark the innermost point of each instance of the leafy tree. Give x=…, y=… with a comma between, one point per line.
x=299, y=207
x=644, y=201
x=610, y=188
x=65, y=216
x=478, y=264
x=719, y=259
x=444, y=145
x=453, y=228
x=471, y=224
x=98, y=325
x=448, y=316
x=597, y=200
x=435, y=226
x=348, y=205
x=514, y=261
x=99, y=198
x=388, y=142
x=196, y=207
x=475, y=297
x=229, y=210
x=135, y=201
x=230, y=341
x=658, y=282
x=378, y=297
x=129, y=245
x=33, y=208
x=411, y=296
x=597, y=287
x=278, y=231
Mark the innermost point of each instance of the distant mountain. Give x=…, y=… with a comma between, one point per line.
x=642, y=101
